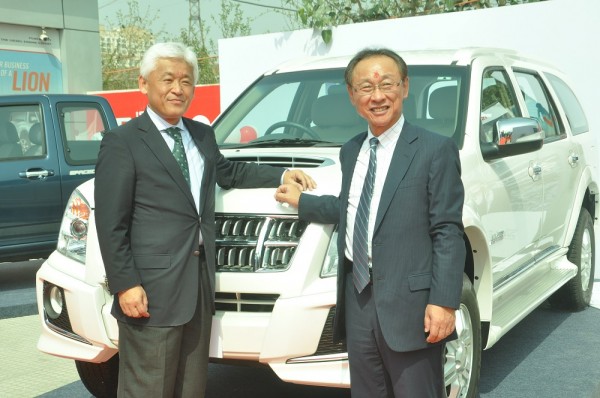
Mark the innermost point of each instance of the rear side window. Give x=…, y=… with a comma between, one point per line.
x=568, y=100
x=539, y=104
x=82, y=126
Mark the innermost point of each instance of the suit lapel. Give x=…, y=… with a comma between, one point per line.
x=199, y=139
x=159, y=147
x=401, y=159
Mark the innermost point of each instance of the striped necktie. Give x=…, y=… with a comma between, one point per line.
x=360, y=240
x=179, y=152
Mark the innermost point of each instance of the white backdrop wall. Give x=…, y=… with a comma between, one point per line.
x=562, y=32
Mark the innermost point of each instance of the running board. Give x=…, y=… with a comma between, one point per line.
x=518, y=298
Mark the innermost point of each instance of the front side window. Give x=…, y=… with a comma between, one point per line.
x=497, y=102
x=21, y=132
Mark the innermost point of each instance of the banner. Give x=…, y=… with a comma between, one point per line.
x=127, y=104
x=29, y=60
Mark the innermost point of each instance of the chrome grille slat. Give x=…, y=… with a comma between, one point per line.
x=245, y=302
x=256, y=243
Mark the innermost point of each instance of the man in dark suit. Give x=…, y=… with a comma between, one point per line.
x=155, y=205
x=398, y=313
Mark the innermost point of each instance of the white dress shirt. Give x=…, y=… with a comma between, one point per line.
x=385, y=151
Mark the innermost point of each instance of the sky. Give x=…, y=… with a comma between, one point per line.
x=173, y=15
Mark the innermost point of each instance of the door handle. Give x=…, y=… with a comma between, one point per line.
x=573, y=159
x=36, y=174
x=535, y=171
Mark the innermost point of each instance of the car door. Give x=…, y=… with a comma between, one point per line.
x=509, y=194
x=559, y=160
x=53, y=150
x=30, y=185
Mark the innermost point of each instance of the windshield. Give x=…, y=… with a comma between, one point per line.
x=312, y=108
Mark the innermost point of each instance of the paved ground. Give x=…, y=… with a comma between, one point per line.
x=550, y=354
x=25, y=371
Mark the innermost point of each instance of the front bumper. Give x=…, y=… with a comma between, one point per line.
x=294, y=340
x=293, y=336
x=76, y=331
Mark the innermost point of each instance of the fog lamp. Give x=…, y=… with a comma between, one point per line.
x=54, y=301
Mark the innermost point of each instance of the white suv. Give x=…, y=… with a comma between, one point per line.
x=528, y=164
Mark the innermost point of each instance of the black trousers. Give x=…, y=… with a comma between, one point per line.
x=377, y=371
x=167, y=361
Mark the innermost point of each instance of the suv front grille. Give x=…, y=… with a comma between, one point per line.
x=256, y=243
x=245, y=302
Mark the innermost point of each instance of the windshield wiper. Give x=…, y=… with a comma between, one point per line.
x=285, y=142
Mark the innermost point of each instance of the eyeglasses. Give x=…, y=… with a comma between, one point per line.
x=369, y=89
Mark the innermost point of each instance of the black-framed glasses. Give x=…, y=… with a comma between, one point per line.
x=369, y=89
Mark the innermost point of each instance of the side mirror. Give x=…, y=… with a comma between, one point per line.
x=514, y=136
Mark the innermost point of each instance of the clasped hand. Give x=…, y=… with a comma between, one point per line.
x=134, y=302
x=439, y=322
x=299, y=179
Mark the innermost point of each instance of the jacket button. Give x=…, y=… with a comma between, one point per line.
x=196, y=253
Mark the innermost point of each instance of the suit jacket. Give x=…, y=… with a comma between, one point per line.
x=418, y=252
x=147, y=223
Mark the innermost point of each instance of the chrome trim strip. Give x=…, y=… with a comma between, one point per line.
x=526, y=267
x=318, y=358
x=65, y=333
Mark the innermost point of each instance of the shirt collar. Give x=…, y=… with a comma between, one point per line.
x=390, y=135
x=160, y=123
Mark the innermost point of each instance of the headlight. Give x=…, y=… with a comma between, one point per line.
x=330, y=264
x=72, y=238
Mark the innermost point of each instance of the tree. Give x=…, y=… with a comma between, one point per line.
x=124, y=43
x=123, y=46
x=323, y=15
x=232, y=23
x=207, y=63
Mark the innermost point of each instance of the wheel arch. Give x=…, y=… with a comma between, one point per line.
x=586, y=198
x=478, y=269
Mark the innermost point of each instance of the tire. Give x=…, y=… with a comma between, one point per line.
x=463, y=355
x=100, y=379
x=575, y=295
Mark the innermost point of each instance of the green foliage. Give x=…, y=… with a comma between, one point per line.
x=232, y=21
x=131, y=37
x=207, y=65
x=322, y=15
x=124, y=47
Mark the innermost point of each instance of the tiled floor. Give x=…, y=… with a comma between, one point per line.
x=26, y=372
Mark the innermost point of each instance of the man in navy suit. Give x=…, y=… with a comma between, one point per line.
x=395, y=327
x=155, y=217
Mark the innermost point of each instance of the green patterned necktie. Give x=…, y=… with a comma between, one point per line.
x=179, y=152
